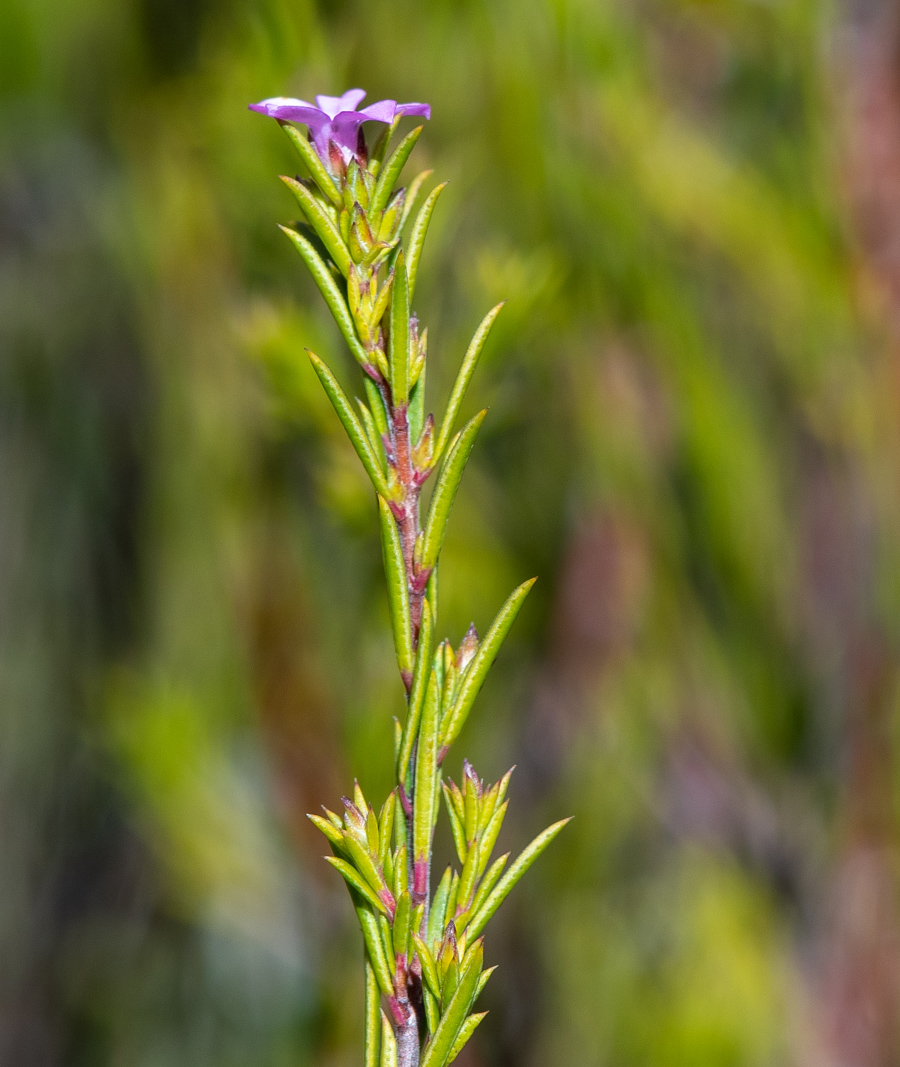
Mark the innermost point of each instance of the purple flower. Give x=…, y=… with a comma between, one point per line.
x=335, y=118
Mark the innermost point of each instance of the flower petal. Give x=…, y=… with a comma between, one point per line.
x=383, y=111
x=345, y=128
x=334, y=105
x=415, y=109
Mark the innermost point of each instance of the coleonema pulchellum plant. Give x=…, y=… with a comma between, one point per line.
x=423, y=951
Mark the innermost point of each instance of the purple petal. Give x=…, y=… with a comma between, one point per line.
x=345, y=127
x=383, y=111
x=415, y=109
x=271, y=105
x=334, y=105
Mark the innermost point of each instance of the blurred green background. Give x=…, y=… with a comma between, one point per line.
x=693, y=209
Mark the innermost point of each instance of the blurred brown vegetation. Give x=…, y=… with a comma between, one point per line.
x=693, y=209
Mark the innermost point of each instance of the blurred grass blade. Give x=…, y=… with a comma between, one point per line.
x=373, y=1016
x=398, y=590
x=445, y=491
x=388, y=175
x=465, y=1032
x=437, y=1051
x=480, y=665
x=314, y=165
x=398, y=343
x=351, y=424
x=330, y=291
x=321, y=222
x=417, y=236
x=499, y=893
x=421, y=672
x=466, y=370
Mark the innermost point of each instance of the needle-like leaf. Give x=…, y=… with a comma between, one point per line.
x=373, y=1016
x=466, y=370
x=421, y=672
x=398, y=589
x=314, y=165
x=455, y=718
x=417, y=236
x=426, y=773
x=465, y=1032
x=351, y=424
x=398, y=346
x=501, y=890
x=328, y=287
x=322, y=223
x=388, y=175
x=354, y=879
x=445, y=491
x=437, y=1050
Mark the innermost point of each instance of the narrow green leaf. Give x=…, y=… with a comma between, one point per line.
x=398, y=345
x=438, y=1049
x=398, y=589
x=334, y=835
x=388, y=175
x=379, y=150
x=466, y=370
x=445, y=490
x=432, y=593
x=455, y=719
x=438, y=913
x=401, y=869
x=371, y=432
x=384, y=929
x=376, y=406
x=417, y=693
x=351, y=424
x=426, y=772
x=314, y=165
x=465, y=1032
x=400, y=929
x=386, y=825
x=373, y=1016
x=412, y=195
x=500, y=891
x=483, y=980
x=432, y=1011
x=489, y=881
x=492, y=830
x=417, y=408
x=429, y=970
x=417, y=236
x=459, y=834
x=374, y=944
x=322, y=223
x=328, y=287
x=388, y=1044
x=354, y=879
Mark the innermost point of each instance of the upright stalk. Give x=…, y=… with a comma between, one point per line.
x=424, y=955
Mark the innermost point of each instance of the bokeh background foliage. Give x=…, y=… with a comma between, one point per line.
x=693, y=209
